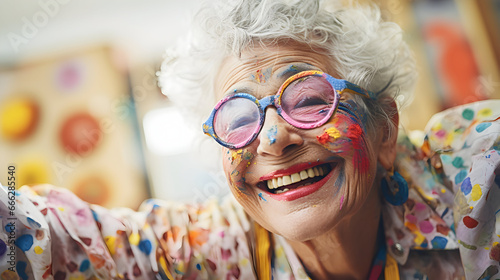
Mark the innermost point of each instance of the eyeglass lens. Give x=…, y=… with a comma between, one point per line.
x=236, y=120
x=306, y=100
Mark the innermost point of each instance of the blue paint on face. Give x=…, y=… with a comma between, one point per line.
x=354, y=113
x=271, y=134
x=262, y=197
x=293, y=69
x=340, y=179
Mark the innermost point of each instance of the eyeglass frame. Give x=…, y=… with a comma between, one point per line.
x=339, y=85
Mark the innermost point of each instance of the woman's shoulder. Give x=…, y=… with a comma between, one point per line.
x=177, y=240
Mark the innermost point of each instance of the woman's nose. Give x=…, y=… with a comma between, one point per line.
x=276, y=135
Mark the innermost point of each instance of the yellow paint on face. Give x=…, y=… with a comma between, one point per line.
x=333, y=132
x=236, y=156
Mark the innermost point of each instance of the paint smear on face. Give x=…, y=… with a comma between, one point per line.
x=247, y=155
x=271, y=134
x=291, y=69
x=238, y=159
x=236, y=156
x=262, y=197
x=323, y=138
x=341, y=201
x=347, y=135
x=340, y=179
x=358, y=115
x=262, y=77
x=330, y=135
x=355, y=133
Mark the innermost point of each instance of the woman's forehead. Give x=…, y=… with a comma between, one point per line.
x=267, y=65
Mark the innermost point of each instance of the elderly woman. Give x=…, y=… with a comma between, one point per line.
x=308, y=123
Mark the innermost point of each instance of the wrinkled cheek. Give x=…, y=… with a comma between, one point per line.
x=345, y=137
x=235, y=164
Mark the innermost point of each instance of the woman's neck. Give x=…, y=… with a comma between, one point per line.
x=347, y=251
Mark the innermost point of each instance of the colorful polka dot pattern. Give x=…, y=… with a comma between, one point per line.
x=454, y=194
x=469, y=138
x=173, y=240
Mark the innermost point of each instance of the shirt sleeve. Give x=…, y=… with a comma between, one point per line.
x=467, y=139
x=59, y=236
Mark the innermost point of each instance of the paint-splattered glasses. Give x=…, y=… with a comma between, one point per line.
x=305, y=100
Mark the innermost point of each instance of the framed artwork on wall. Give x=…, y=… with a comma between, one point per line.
x=69, y=120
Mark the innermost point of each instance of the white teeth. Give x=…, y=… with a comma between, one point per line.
x=294, y=178
x=287, y=180
x=310, y=173
x=280, y=181
x=316, y=172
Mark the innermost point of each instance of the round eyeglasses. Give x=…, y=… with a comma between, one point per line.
x=306, y=100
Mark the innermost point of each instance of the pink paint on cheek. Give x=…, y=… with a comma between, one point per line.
x=341, y=201
x=357, y=143
x=360, y=159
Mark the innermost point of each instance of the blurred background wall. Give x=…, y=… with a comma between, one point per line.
x=80, y=108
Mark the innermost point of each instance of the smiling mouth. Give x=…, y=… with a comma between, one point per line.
x=305, y=177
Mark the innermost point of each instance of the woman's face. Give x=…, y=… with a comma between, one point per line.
x=339, y=157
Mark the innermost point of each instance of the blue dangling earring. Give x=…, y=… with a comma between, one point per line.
x=394, y=188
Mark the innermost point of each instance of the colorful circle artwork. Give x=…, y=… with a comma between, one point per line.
x=93, y=189
x=18, y=118
x=32, y=172
x=80, y=134
x=69, y=75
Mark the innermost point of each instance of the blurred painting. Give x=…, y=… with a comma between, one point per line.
x=69, y=120
x=453, y=66
x=490, y=14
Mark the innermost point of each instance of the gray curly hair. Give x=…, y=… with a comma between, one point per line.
x=363, y=49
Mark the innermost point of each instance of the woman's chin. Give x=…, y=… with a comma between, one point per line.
x=303, y=218
x=301, y=213
x=304, y=225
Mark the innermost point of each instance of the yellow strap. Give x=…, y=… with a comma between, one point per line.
x=391, y=270
x=262, y=253
x=163, y=265
x=263, y=257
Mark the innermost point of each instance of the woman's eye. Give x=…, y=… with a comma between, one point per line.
x=310, y=101
x=240, y=122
